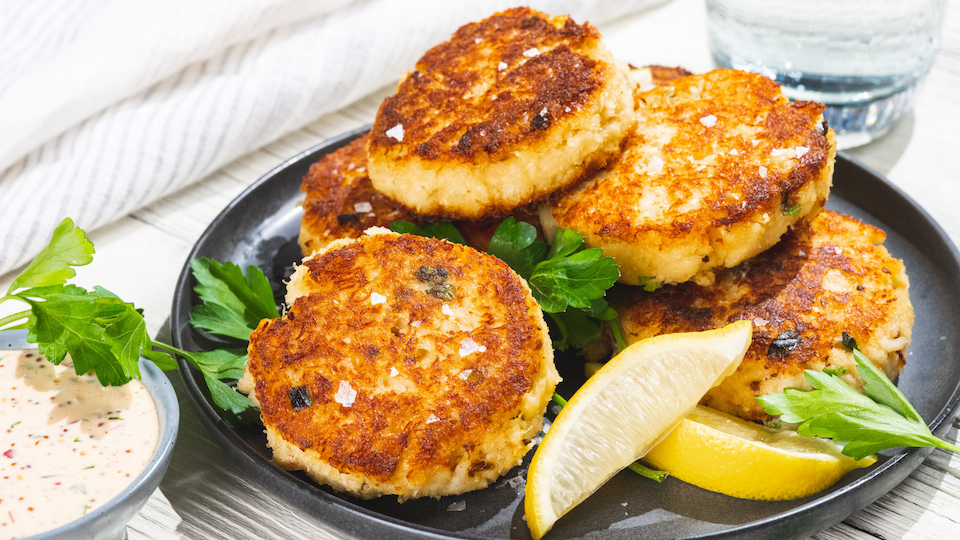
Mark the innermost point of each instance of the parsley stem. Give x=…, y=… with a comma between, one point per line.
x=947, y=446
x=558, y=399
x=561, y=326
x=172, y=349
x=15, y=317
x=646, y=472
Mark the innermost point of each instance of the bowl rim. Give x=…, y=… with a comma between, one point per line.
x=168, y=414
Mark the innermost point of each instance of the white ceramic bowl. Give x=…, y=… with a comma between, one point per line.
x=109, y=522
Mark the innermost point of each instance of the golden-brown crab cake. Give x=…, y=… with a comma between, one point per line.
x=340, y=200
x=506, y=112
x=405, y=366
x=826, y=277
x=342, y=203
x=720, y=166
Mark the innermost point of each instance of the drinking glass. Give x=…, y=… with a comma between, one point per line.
x=863, y=58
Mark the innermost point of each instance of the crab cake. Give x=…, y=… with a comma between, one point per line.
x=824, y=278
x=405, y=366
x=719, y=167
x=342, y=203
x=506, y=112
x=340, y=200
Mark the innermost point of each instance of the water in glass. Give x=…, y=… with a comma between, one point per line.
x=863, y=58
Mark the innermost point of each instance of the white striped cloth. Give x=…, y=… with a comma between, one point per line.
x=107, y=105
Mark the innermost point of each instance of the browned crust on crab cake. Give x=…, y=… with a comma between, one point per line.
x=503, y=114
x=340, y=200
x=705, y=180
x=339, y=193
x=825, y=277
x=428, y=367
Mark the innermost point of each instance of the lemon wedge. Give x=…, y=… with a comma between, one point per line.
x=622, y=411
x=722, y=453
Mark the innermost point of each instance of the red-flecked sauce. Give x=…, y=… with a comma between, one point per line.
x=67, y=444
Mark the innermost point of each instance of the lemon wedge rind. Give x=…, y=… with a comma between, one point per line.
x=725, y=454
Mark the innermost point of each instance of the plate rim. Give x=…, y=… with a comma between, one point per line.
x=345, y=513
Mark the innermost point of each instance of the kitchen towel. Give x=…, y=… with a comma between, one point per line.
x=107, y=105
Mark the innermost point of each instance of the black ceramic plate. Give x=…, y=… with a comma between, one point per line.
x=260, y=227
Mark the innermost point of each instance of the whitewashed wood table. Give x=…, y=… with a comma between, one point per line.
x=204, y=496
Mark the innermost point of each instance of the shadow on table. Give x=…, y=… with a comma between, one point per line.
x=884, y=153
x=900, y=513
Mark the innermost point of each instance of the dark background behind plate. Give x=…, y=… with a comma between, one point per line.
x=260, y=227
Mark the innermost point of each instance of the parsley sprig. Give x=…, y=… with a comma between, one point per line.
x=232, y=305
x=881, y=419
x=568, y=281
x=100, y=331
x=106, y=335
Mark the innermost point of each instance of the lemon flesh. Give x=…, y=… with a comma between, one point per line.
x=722, y=453
x=624, y=409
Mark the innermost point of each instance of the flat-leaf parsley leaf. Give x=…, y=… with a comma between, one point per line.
x=881, y=419
x=515, y=243
x=233, y=303
x=568, y=282
x=106, y=335
x=445, y=231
